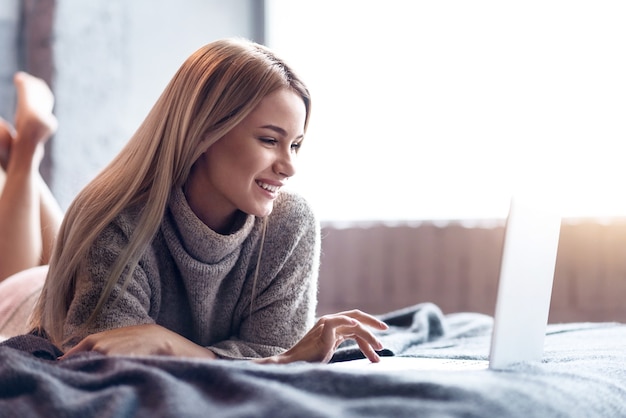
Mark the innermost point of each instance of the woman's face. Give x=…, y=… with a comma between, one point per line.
x=246, y=168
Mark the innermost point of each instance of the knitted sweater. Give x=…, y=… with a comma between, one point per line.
x=200, y=284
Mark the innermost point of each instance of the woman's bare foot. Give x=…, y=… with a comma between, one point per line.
x=34, y=121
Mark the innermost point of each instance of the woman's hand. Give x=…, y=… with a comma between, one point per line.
x=140, y=340
x=320, y=343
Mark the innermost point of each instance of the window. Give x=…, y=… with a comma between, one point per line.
x=444, y=109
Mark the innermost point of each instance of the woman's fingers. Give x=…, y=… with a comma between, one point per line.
x=84, y=345
x=354, y=329
x=320, y=343
x=350, y=325
x=365, y=318
x=367, y=350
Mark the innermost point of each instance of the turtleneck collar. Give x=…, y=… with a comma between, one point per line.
x=200, y=241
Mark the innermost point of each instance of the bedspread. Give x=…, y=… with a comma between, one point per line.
x=583, y=374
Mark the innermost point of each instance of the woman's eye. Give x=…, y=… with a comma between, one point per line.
x=268, y=140
x=296, y=146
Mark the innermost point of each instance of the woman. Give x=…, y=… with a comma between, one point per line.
x=186, y=243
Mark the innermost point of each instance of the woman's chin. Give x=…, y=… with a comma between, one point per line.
x=260, y=211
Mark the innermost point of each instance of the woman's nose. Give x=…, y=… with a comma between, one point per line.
x=285, y=164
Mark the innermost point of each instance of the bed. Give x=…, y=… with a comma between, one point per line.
x=582, y=374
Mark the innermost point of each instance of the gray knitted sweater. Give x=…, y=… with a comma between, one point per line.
x=199, y=283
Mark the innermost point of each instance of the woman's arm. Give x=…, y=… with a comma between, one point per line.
x=318, y=345
x=148, y=339
x=125, y=307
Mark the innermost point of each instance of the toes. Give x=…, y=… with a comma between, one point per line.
x=35, y=101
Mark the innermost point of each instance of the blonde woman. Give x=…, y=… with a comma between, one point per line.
x=187, y=244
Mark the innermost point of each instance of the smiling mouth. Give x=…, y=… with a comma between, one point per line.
x=268, y=187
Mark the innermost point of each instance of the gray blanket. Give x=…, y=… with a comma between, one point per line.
x=583, y=374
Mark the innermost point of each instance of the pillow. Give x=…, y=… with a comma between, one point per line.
x=18, y=296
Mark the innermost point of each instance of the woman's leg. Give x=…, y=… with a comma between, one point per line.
x=29, y=215
x=5, y=146
x=37, y=110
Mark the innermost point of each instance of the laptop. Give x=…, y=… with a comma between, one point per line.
x=523, y=301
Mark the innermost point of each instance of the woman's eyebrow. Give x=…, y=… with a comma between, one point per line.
x=276, y=129
x=279, y=130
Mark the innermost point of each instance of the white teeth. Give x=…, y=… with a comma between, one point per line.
x=268, y=187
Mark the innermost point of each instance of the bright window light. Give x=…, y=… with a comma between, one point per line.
x=443, y=109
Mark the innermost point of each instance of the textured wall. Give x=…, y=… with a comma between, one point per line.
x=9, y=26
x=113, y=58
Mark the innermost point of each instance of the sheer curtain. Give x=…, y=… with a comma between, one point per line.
x=444, y=109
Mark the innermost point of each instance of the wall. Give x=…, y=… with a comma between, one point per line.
x=9, y=21
x=113, y=58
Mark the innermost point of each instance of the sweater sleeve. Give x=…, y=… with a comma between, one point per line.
x=131, y=307
x=282, y=308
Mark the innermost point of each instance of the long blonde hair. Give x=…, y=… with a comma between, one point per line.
x=214, y=89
